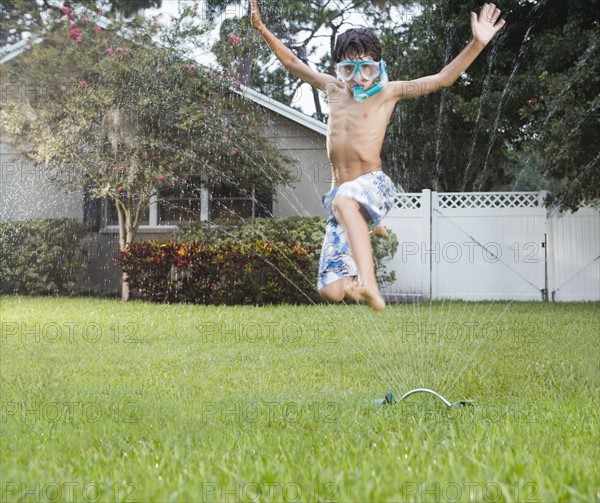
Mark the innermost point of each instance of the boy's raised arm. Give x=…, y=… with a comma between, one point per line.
x=484, y=28
x=301, y=70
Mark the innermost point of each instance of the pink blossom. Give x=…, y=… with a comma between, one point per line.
x=160, y=178
x=67, y=12
x=235, y=40
x=75, y=33
x=98, y=30
x=160, y=71
x=234, y=151
x=109, y=51
x=84, y=20
x=225, y=139
x=82, y=84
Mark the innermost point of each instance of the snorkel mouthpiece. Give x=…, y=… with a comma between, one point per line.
x=360, y=94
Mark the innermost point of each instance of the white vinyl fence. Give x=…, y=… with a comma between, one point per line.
x=492, y=245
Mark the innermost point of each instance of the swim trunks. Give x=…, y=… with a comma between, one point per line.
x=375, y=192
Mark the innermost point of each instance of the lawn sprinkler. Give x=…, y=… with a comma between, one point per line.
x=389, y=398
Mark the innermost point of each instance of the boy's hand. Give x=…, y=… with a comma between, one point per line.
x=255, y=15
x=484, y=26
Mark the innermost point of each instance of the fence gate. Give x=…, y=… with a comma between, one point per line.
x=488, y=246
x=492, y=245
x=574, y=255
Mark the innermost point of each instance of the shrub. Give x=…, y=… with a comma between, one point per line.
x=42, y=256
x=304, y=229
x=232, y=272
x=261, y=261
x=309, y=231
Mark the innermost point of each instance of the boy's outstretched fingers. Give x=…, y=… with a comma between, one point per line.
x=487, y=23
x=255, y=14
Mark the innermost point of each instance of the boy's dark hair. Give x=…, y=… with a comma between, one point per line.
x=357, y=41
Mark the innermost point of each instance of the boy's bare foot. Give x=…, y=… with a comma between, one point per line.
x=365, y=294
x=380, y=231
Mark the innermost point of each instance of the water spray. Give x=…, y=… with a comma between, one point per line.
x=389, y=398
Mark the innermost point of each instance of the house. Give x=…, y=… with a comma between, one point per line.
x=27, y=192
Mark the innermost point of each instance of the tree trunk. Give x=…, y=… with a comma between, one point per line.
x=129, y=236
x=124, y=240
x=125, y=293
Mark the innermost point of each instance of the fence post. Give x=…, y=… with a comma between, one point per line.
x=204, y=203
x=546, y=297
x=426, y=216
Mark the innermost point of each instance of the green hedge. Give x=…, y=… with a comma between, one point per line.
x=310, y=231
x=232, y=272
x=42, y=256
x=264, y=261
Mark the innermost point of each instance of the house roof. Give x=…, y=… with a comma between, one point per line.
x=281, y=109
x=9, y=52
x=12, y=51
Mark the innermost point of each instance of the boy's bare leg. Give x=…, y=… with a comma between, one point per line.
x=348, y=213
x=336, y=291
x=342, y=289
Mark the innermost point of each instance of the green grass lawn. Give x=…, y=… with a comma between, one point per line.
x=110, y=401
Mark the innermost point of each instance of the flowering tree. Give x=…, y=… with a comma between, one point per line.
x=128, y=115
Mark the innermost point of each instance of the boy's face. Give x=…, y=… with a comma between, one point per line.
x=366, y=76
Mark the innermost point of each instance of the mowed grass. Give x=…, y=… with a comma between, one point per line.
x=110, y=401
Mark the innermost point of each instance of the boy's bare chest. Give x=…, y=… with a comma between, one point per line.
x=349, y=119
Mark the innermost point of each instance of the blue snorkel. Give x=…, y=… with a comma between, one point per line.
x=360, y=94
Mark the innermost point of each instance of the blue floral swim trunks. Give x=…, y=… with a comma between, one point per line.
x=375, y=193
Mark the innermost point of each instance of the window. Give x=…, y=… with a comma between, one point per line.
x=187, y=200
x=180, y=202
x=231, y=203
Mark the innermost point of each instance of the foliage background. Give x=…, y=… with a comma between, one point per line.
x=523, y=117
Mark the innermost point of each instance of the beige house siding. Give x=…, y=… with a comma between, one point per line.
x=26, y=192
x=312, y=171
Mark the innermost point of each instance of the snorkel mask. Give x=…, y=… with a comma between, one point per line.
x=368, y=70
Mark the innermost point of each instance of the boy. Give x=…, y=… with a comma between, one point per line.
x=360, y=111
